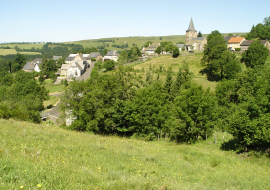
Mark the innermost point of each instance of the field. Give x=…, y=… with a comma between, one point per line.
x=54, y=88
x=167, y=61
x=48, y=157
x=23, y=46
x=13, y=51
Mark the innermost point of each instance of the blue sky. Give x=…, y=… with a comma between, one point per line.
x=66, y=20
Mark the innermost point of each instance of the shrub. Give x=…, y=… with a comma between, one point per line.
x=237, y=49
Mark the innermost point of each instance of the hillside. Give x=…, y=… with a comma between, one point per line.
x=166, y=61
x=138, y=40
x=49, y=157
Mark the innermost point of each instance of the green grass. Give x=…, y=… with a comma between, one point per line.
x=175, y=63
x=13, y=51
x=23, y=46
x=28, y=53
x=54, y=88
x=54, y=158
x=51, y=101
x=7, y=51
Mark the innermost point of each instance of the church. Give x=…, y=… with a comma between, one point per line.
x=193, y=42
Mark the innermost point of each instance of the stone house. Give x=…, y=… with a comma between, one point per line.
x=111, y=55
x=151, y=49
x=55, y=58
x=95, y=55
x=235, y=42
x=78, y=57
x=75, y=69
x=180, y=46
x=245, y=44
x=34, y=65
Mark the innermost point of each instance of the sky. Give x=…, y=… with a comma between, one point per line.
x=66, y=20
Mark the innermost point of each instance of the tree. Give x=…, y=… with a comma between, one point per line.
x=199, y=34
x=176, y=51
x=48, y=67
x=134, y=53
x=123, y=58
x=158, y=50
x=105, y=51
x=255, y=55
x=226, y=66
x=195, y=113
x=230, y=34
x=147, y=44
x=213, y=51
x=266, y=21
x=109, y=65
x=169, y=47
x=160, y=38
x=183, y=48
x=60, y=62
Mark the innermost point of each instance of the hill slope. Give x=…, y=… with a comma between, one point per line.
x=48, y=156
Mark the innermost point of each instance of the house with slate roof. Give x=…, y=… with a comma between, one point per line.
x=151, y=49
x=180, y=46
x=34, y=65
x=192, y=39
x=95, y=55
x=78, y=57
x=245, y=44
x=111, y=55
x=55, y=58
x=76, y=65
x=235, y=42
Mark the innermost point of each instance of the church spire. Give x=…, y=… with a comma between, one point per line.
x=191, y=26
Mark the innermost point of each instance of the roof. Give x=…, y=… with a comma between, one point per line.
x=112, y=53
x=249, y=42
x=236, y=39
x=56, y=57
x=69, y=58
x=198, y=38
x=227, y=38
x=37, y=60
x=27, y=65
x=191, y=26
x=65, y=66
x=94, y=54
x=79, y=66
x=85, y=55
x=195, y=40
x=152, y=47
x=180, y=45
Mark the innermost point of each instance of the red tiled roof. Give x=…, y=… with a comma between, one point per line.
x=236, y=39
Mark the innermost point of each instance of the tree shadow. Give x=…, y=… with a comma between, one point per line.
x=210, y=76
x=231, y=145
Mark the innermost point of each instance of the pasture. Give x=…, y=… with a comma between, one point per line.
x=13, y=51
x=48, y=157
x=164, y=62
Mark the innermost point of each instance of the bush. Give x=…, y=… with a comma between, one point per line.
x=109, y=65
x=237, y=49
x=93, y=59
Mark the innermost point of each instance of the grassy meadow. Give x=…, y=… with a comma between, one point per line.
x=167, y=61
x=23, y=46
x=13, y=51
x=48, y=157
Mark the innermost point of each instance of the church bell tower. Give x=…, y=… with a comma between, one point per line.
x=191, y=32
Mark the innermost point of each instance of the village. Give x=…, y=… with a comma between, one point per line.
x=77, y=64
